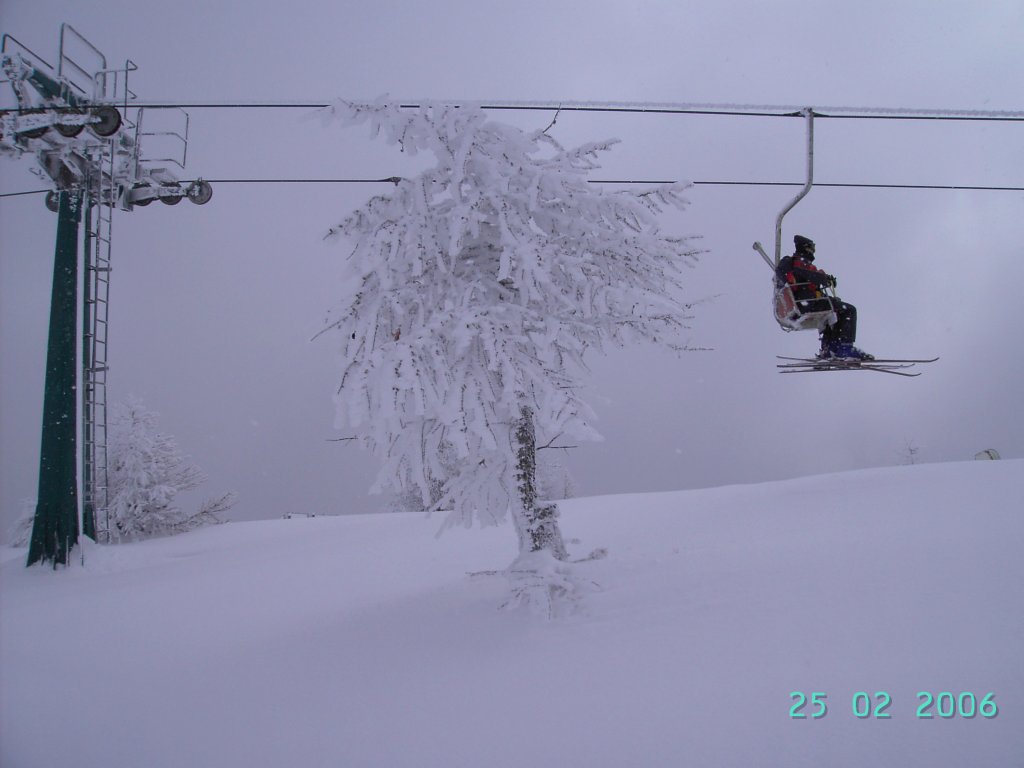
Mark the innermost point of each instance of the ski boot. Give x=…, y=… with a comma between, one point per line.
x=843, y=351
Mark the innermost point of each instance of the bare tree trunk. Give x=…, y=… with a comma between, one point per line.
x=536, y=525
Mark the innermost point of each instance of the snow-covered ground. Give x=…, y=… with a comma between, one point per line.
x=366, y=641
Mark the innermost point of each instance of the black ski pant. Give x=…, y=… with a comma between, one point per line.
x=844, y=329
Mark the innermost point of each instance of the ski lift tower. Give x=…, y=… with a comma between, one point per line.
x=78, y=121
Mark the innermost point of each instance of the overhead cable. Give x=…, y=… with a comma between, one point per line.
x=848, y=185
x=728, y=110
x=652, y=182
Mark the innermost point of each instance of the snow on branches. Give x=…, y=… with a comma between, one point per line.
x=473, y=291
x=147, y=471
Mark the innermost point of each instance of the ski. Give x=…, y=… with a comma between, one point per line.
x=815, y=360
x=894, y=366
x=842, y=366
x=823, y=369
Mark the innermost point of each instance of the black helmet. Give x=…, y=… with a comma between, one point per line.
x=804, y=246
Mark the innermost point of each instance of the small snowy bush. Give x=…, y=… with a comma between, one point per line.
x=146, y=472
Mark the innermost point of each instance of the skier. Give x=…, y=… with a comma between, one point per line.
x=808, y=284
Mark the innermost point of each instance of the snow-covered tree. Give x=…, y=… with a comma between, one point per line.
x=910, y=453
x=472, y=293
x=146, y=472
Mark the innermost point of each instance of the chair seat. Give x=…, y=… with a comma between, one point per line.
x=802, y=314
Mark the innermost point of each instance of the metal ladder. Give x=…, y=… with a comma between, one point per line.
x=84, y=67
x=101, y=196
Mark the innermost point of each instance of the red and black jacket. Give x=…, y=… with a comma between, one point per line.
x=795, y=270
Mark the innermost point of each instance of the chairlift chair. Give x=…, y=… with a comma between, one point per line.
x=792, y=314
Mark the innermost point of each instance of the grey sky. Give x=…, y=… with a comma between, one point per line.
x=213, y=307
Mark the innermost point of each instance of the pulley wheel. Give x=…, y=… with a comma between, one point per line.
x=109, y=121
x=35, y=133
x=200, y=192
x=69, y=131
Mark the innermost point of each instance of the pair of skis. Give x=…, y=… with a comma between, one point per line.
x=814, y=365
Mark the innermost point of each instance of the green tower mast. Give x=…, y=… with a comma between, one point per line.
x=55, y=530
